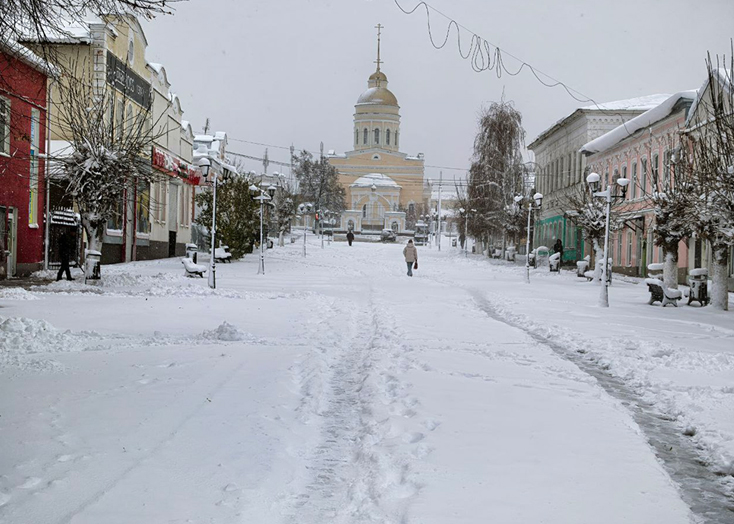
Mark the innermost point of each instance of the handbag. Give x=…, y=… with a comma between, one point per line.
x=415, y=266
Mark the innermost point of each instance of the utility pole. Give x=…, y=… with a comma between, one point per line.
x=266, y=162
x=438, y=229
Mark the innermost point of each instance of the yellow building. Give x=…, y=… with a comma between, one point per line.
x=383, y=186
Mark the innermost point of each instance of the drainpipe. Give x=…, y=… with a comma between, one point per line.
x=47, y=172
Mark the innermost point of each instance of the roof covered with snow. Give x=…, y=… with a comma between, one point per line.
x=646, y=119
x=724, y=78
x=639, y=104
x=376, y=179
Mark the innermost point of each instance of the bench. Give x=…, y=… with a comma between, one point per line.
x=192, y=269
x=554, y=262
x=497, y=253
x=591, y=274
x=662, y=294
x=222, y=254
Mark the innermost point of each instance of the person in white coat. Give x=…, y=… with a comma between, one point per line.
x=411, y=256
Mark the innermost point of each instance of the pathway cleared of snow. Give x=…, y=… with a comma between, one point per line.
x=332, y=389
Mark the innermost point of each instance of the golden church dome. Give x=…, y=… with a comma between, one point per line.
x=378, y=96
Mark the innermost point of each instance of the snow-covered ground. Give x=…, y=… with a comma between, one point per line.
x=336, y=389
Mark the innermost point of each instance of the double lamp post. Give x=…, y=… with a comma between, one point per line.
x=262, y=196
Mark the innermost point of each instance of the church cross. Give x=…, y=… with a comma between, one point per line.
x=379, y=28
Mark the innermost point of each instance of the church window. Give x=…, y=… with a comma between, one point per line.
x=387, y=137
x=364, y=136
x=356, y=137
x=377, y=135
x=364, y=211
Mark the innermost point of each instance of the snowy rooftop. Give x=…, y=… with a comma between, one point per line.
x=631, y=104
x=642, y=121
x=721, y=74
x=376, y=179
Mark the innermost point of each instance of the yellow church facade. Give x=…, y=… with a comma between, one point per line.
x=383, y=185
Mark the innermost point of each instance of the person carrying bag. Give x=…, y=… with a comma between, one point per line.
x=411, y=257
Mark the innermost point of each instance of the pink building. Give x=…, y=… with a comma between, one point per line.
x=643, y=151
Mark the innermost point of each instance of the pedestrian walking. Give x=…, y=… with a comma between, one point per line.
x=350, y=237
x=66, y=249
x=411, y=257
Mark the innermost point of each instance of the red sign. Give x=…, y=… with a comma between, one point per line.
x=174, y=166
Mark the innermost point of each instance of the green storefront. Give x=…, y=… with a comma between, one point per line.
x=549, y=229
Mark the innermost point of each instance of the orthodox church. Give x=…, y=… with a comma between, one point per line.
x=382, y=184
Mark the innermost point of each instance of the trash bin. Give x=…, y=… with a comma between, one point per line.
x=698, y=282
x=453, y=242
x=582, y=267
x=92, y=265
x=192, y=252
x=554, y=262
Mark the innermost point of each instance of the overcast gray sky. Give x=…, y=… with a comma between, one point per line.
x=290, y=71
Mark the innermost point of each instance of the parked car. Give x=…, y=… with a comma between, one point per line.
x=388, y=235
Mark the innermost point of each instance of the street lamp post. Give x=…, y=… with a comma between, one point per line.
x=538, y=202
x=262, y=198
x=594, y=182
x=205, y=164
x=304, y=209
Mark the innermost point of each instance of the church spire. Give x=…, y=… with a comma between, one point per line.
x=379, y=34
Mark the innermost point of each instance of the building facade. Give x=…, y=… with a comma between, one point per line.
x=396, y=180
x=561, y=167
x=23, y=125
x=641, y=150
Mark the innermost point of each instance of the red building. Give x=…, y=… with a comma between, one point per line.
x=23, y=92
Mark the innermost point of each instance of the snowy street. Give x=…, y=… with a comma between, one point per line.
x=337, y=389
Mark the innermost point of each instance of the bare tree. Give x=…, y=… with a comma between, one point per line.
x=109, y=155
x=496, y=172
x=285, y=211
x=44, y=20
x=709, y=155
x=318, y=182
x=589, y=213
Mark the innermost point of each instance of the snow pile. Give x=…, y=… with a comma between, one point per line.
x=16, y=293
x=226, y=332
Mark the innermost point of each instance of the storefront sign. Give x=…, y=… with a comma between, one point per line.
x=174, y=166
x=126, y=81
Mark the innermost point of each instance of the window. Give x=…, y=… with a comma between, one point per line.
x=115, y=221
x=666, y=169
x=562, y=177
x=624, y=172
x=356, y=137
x=119, y=118
x=396, y=138
x=387, y=137
x=364, y=211
x=142, y=209
x=655, y=167
x=629, y=248
x=364, y=136
x=633, y=182
x=643, y=177
x=130, y=53
x=4, y=125
x=377, y=135
x=619, y=248
x=33, y=182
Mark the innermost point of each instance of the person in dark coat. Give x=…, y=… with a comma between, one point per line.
x=66, y=248
x=558, y=247
x=350, y=237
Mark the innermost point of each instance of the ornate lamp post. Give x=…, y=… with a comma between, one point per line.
x=262, y=198
x=205, y=165
x=303, y=210
x=533, y=205
x=594, y=184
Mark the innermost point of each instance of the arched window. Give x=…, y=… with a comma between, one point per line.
x=387, y=137
x=364, y=211
x=364, y=136
x=356, y=137
x=377, y=135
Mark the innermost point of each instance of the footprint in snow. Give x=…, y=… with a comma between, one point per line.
x=412, y=438
x=30, y=482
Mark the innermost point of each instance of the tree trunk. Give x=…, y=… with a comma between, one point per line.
x=670, y=267
x=720, y=284
x=94, y=229
x=598, y=255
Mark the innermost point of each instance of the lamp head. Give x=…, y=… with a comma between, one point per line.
x=593, y=181
x=518, y=199
x=271, y=190
x=204, y=165
x=538, y=197
x=623, y=183
x=462, y=210
x=254, y=189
